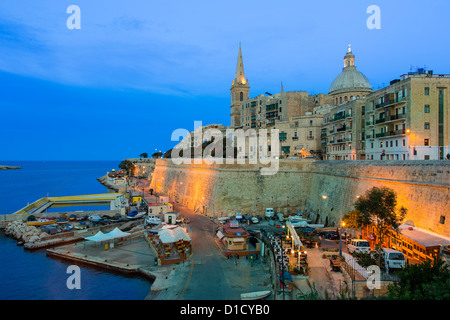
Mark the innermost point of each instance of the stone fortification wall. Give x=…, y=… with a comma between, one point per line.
x=300, y=185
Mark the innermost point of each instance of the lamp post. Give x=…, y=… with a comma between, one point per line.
x=340, y=238
x=282, y=262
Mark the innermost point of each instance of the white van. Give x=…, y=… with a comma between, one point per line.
x=358, y=246
x=238, y=215
x=393, y=259
x=269, y=213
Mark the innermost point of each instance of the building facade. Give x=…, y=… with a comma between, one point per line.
x=407, y=120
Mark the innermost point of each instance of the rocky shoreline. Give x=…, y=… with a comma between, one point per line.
x=25, y=233
x=9, y=167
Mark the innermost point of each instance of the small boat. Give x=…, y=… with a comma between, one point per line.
x=135, y=215
x=257, y=295
x=41, y=222
x=95, y=218
x=153, y=219
x=80, y=227
x=72, y=217
x=62, y=221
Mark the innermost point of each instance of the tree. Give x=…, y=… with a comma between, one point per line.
x=157, y=155
x=127, y=166
x=378, y=208
x=144, y=155
x=426, y=281
x=354, y=220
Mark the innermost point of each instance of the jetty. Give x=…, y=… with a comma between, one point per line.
x=2, y=167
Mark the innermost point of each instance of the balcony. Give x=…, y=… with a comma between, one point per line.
x=380, y=135
x=341, y=129
x=310, y=138
x=382, y=120
x=339, y=116
x=394, y=133
x=369, y=123
x=398, y=117
x=295, y=138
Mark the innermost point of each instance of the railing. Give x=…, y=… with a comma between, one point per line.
x=398, y=116
x=341, y=129
x=380, y=120
x=380, y=135
x=369, y=123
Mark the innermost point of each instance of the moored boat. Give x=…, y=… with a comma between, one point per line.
x=41, y=222
x=257, y=295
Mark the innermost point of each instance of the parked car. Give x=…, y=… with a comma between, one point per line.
x=238, y=215
x=359, y=245
x=393, y=259
x=332, y=235
x=255, y=220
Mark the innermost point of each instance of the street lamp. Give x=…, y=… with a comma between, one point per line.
x=340, y=238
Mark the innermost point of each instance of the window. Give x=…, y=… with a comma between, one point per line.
x=427, y=125
x=426, y=157
x=403, y=142
x=392, y=142
x=396, y=143
x=427, y=108
x=442, y=220
x=427, y=91
x=426, y=142
x=242, y=96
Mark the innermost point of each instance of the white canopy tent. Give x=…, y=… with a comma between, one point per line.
x=173, y=235
x=100, y=236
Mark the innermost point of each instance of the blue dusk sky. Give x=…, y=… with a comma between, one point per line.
x=138, y=70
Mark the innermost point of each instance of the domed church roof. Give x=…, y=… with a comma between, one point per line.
x=350, y=79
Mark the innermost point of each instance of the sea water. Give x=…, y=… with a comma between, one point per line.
x=31, y=275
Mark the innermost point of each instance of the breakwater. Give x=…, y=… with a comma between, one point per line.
x=325, y=190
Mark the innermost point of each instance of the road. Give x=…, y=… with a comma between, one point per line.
x=214, y=277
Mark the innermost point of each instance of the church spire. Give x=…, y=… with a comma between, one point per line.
x=240, y=76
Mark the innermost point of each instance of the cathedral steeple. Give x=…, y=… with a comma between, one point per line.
x=240, y=75
x=239, y=91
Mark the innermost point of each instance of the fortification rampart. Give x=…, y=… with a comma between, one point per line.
x=323, y=189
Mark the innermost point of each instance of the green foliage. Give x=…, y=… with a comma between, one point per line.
x=422, y=282
x=127, y=166
x=378, y=207
x=354, y=220
x=144, y=155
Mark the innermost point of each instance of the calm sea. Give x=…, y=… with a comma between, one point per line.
x=34, y=276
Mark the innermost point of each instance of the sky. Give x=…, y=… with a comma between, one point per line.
x=138, y=70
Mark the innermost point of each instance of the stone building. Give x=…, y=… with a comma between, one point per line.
x=409, y=119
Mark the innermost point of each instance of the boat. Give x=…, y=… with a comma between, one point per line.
x=257, y=295
x=62, y=221
x=80, y=227
x=41, y=222
x=153, y=219
x=135, y=215
x=95, y=218
x=72, y=217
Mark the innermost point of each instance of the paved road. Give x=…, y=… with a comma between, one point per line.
x=214, y=277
